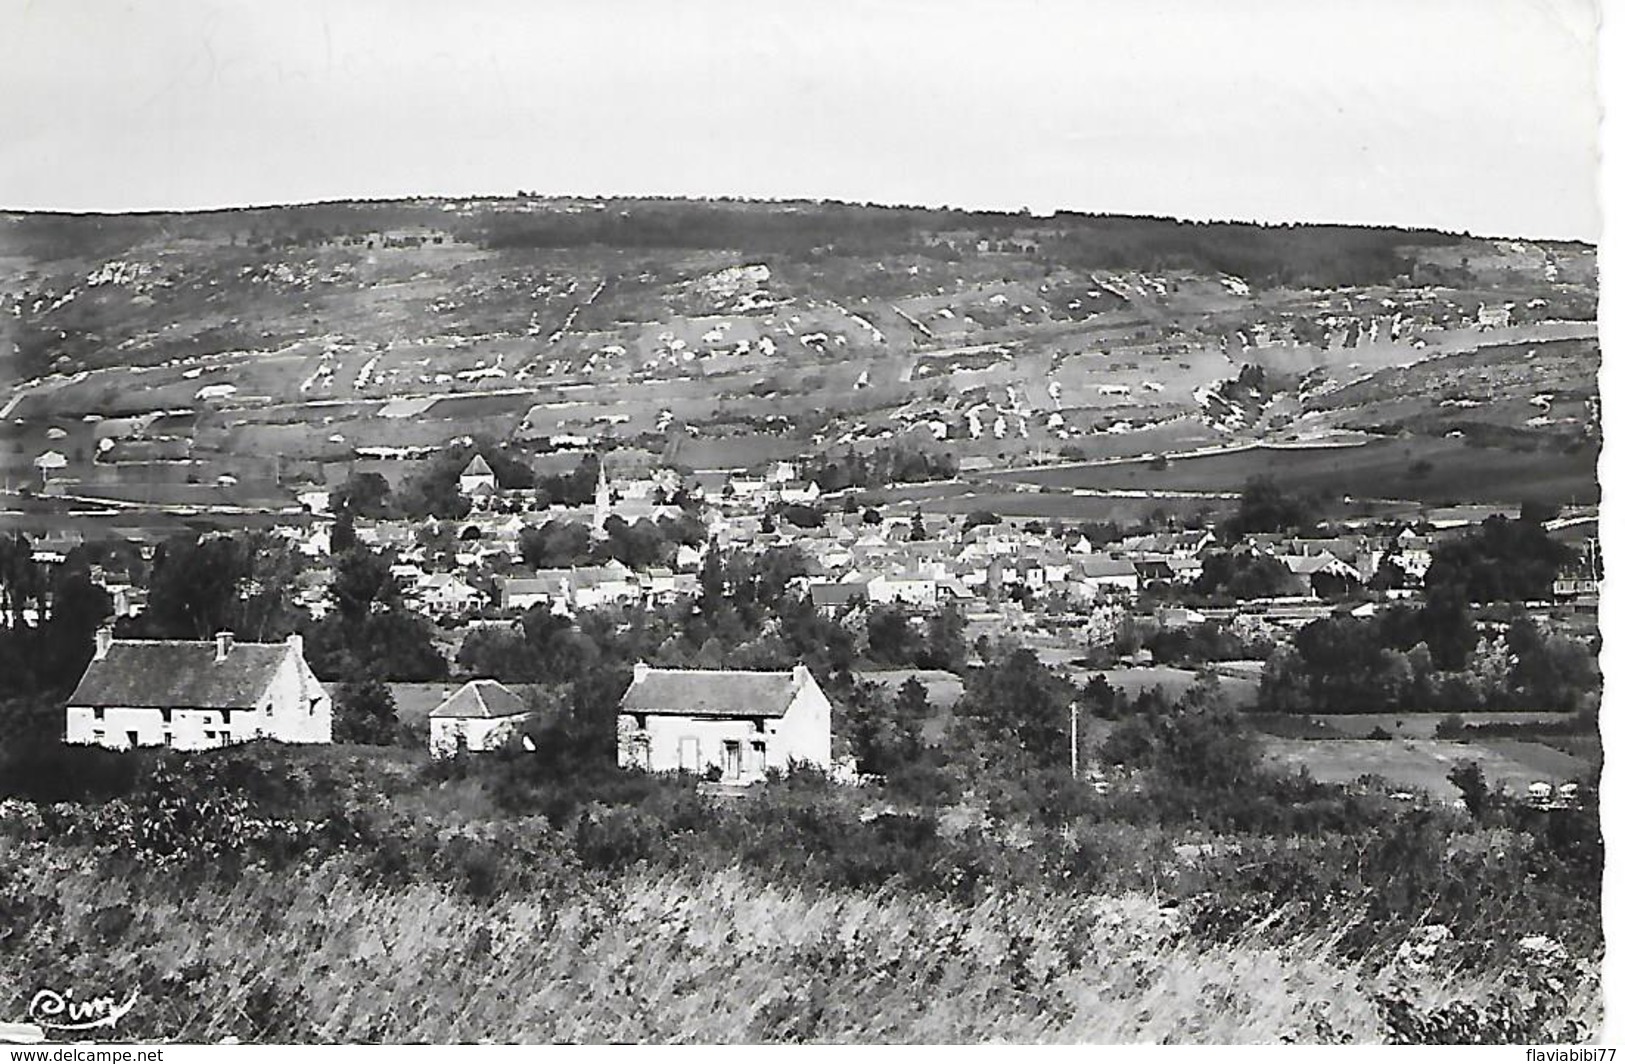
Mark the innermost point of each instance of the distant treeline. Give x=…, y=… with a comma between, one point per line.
x=1263, y=255
x=1319, y=255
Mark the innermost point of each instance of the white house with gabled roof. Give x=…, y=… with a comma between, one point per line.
x=739, y=724
x=480, y=715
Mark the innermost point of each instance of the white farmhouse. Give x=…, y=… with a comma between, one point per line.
x=739, y=723
x=477, y=478
x=480, y=715
x=197, y=695
x=911, y=589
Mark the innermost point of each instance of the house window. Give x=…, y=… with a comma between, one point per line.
x=97, y=712
x=758, y=755
x=134, y=737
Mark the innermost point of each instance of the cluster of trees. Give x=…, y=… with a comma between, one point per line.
x=896, y=637
x=882, y=466
x=1501, y=561
x=1195, y=644
x=1428, y=659
x=1313, y=256
x=48, y=619
x=370, y=634
x=636, y=544
x=1227, y=575
x=576, y=488
x=1265, y=507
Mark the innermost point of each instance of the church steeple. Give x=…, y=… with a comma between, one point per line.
x=600, y=500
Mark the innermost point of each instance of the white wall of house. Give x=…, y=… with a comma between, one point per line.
x=743, y=749
x=476, y=733
x=911, y=592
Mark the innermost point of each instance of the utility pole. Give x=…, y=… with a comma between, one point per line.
x=1073, y=708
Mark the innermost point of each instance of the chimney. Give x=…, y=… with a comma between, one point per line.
x=639, y=671
x=800, y=675
x=297, y=642
x=222, y=645
x=104, y=641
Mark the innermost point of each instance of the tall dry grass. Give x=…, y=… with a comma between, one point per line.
x=718, y=956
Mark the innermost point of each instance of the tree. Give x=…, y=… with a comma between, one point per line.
x=343, y=536
x=203, y=585
x=364, y=712
x=363, y=584
x=1446, y=626
x=712, y=585
x=370, y=633
x=1468, y=777
x=1264, y=507
x=916, y=526
x=802, y=515
x=363, y=495
x=1243, y=576
x=945, y=640
x=555, y=545
x=1016, y=709
x=885, y=734
x=78, y=609
x=1500, y=561
x=892, y=639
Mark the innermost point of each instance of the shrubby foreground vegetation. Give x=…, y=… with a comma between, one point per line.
x=980, y=893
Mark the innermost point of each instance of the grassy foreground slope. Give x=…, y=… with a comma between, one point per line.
x=718, y=957
x=355, y=894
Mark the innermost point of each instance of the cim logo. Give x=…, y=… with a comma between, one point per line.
x=55, y=1011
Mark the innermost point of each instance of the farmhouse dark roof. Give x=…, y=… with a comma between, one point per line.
x=478, y=467
x=145, y=674
x=481, y=698
x=1096, y=568
x=707, y=693
x=838, y=594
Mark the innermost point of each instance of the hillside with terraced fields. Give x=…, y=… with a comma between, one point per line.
x=259, y=349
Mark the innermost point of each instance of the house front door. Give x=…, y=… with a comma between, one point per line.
x=730, y=760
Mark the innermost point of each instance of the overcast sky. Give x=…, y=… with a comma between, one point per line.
x=1463, y=114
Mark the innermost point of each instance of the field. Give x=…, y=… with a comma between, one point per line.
x=1174, y=682
x=1423, y=765
x=1423, y=725
x=1455, y=472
